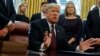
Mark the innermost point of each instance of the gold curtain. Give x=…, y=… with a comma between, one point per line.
x=33, y=7
x=86, y=5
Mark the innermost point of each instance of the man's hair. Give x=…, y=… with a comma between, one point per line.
x=51, y=5
x=44, y=3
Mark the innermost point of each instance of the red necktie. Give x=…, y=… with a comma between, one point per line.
x=53, y=40
x=52, y=51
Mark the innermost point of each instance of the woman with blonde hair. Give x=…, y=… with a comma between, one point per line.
x=71, y=23
x=21, y=13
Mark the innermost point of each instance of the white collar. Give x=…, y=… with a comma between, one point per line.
x=99, y=11
x=5, y=2
x=50, y=25
x=42, y=15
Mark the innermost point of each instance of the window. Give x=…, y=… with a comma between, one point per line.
x=77, y=3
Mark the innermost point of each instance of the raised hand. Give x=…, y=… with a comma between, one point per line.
x=85, y=45
x=47, y=39
x=97, y=41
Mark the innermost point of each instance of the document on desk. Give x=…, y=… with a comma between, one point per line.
x=34, y=53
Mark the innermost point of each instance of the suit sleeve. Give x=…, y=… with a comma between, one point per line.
x=32, y=18
x=3, y=21
x=34, y=38
x=12, y=12
x=88, y=25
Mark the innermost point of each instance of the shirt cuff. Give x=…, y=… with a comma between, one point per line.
x=9, y=23
x=42, y=47
x=78, y=49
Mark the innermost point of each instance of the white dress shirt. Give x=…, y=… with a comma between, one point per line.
x=92, y=7
x=99, y=11
x=42, y=15
x=5, y=2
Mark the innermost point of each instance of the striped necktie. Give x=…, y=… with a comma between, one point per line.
x=53, y=39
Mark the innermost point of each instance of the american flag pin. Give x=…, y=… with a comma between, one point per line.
x=57, y=31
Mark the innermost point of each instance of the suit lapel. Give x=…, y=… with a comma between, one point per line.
x=7, y=5
x=40, y=15
x=3, y=2
x=97, y=15
x=45, y=25
x=57, y=31
x=3, y=5
x=97, y=12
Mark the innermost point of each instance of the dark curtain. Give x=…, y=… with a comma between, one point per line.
x=51, y=1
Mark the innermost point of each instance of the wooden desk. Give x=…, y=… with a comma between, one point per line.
x=13, y=54
x=13, y=49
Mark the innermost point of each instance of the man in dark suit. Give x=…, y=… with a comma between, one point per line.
x=7, y=16
x=93, y=25
x=47, y=35
x=40, y=15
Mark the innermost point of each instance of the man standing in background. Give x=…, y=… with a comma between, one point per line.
x=40, y=15
x=93, y=25
x=7, y=17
